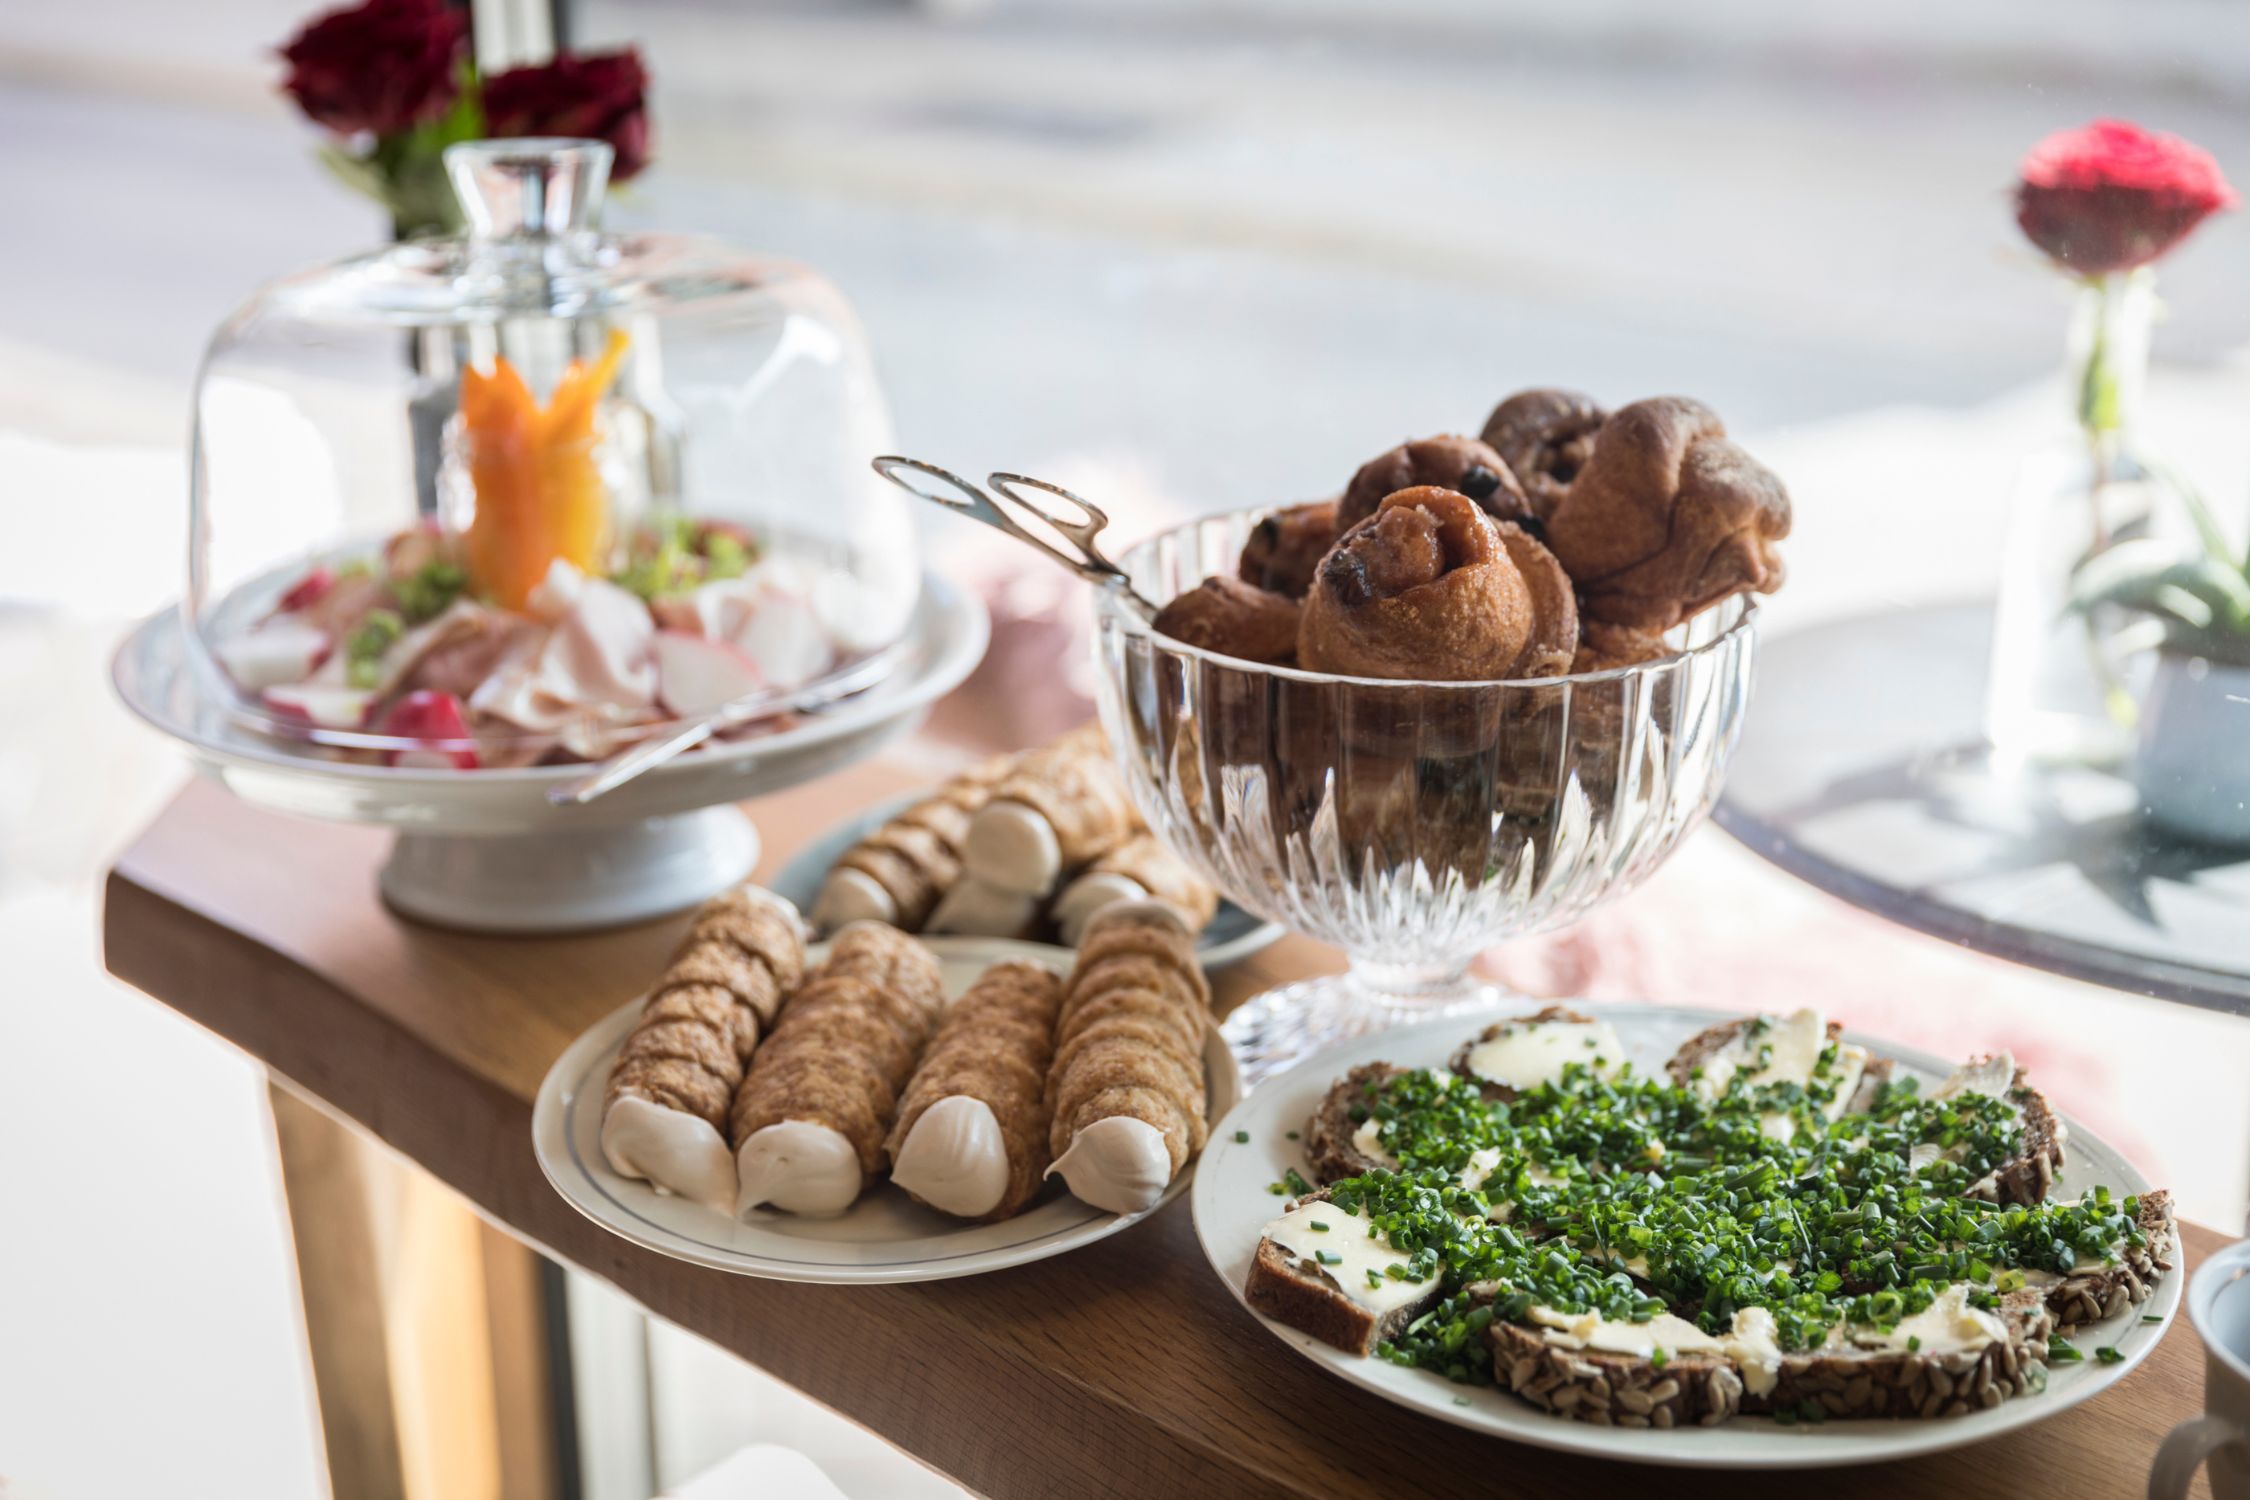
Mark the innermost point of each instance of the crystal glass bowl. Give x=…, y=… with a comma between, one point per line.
x=1412, y=824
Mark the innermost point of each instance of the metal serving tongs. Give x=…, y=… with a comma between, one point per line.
x=966, y=499
x=1082, y=532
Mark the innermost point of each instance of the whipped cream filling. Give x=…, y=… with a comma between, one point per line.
x=955, y=1159
x=798, y=1167
x=1118, y=1164
x=1012, y=847
x=673, y=1151
x=975, y=909
x=852, y=896
x=1087, y=895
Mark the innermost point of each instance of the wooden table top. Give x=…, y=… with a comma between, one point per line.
x=1125, y=1368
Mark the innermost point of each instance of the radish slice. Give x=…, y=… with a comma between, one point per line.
x=282, y=650
x=785, y=638
x=321, y=705
x=436, y=717
x=695, y=675
x=308, y=590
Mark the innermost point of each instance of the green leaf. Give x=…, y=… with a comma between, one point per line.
x=359, y=173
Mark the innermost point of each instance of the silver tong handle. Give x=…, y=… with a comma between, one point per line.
x=1083, y=530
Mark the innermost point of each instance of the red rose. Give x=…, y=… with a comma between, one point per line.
x=384, y=67
x=2113, y=196
x=598, y=96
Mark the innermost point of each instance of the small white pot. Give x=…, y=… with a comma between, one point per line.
x=2193, y=761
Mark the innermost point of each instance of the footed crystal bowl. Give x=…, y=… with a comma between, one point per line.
x=1412, y=824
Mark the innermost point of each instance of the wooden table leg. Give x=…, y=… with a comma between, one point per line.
x=427, y=1328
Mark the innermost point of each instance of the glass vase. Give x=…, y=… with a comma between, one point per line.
x=2064, y=680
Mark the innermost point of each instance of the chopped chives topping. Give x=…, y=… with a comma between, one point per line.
x=1624, y=1195
x=1317, y=1224
x=2062, y=1350
x=1292, y=1135
x=1328, y=1257
x=1242, y=1137
x=2109, y=1355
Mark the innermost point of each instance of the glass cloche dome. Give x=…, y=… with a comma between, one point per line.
x=517, y=497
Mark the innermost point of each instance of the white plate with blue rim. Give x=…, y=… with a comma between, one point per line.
x=1233, y=934
x=884, y=1237
x=1253, y=1147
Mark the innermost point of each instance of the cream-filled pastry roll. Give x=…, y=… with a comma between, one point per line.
x=1135, y=870
x=665, y=1116
x=975, y=909
x=811, y=1116
x=1058, y=809
x=902, y=870
x=971, y=1137
x=1127, y=1088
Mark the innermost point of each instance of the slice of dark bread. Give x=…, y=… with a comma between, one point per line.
x=1622, y=1390
x=2029, y=1175
x=1897, y=1383
x=2098, y=1292
x=1632, y=1390
x=1303, y=1295
x=1698, y=1049
x=1329, y=1149
x=1506, y=1093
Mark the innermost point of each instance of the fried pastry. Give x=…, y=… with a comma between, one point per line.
x=1135, y=870
x=1603, y=647
x=1126, y=1090
x=899, y=872
x=1431, y=587
x=665, y=1116
x=1545, y=438
x=1667, y=518
x=1467, y=466
x=1234, y=619
x=971, y=1138
x=1287, y=546
x=811, y=1116
x=1058, y=809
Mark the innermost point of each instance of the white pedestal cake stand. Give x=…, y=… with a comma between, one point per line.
x=486, y=851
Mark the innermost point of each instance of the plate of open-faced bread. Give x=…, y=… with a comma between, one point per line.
x=1680, y=1237
x=1027, y=846
x=879, y=1108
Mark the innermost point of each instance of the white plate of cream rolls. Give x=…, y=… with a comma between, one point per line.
x=1026, y=846
x=883, y=1108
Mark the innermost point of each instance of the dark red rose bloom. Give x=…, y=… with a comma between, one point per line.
x=600, y=96
x=384, y=67
x=2113, y=196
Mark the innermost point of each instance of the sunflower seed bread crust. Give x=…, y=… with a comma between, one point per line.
x=1613, y=1390
x=2105, y=1291
x=1330, y=1148
x=1896, y=1384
